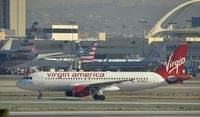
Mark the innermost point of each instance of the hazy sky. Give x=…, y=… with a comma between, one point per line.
x=35, y=4
x=107, y=15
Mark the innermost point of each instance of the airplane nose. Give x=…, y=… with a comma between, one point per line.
x=18, y=83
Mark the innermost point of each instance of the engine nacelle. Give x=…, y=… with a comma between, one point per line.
x=78, y=91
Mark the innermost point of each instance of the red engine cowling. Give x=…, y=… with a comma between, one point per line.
x=78, y=91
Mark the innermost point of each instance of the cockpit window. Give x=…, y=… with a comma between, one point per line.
x=27, y=78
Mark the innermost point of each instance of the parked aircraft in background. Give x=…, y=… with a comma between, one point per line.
x=26, y=52
x=156, y=58
x=81, y=84
x=56, y=60
x=82, y=54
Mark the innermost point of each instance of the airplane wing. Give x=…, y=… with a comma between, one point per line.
x=43, y=56
x=102, y=85
x=56, y=57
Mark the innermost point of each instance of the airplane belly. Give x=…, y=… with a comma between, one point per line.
x=132, y=86
x=55, y=86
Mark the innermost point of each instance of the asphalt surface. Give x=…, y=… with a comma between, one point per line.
x=108, y=114
x=102, y=102
x=179, y=97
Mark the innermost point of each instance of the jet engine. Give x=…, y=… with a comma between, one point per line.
x=78, y=91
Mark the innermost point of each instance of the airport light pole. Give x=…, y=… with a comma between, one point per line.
x=145, y=25
x=189, y=23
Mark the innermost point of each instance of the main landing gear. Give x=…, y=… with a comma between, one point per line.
x=40, y=95
x=98, y=95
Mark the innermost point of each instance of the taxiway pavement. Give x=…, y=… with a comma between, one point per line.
x=102, y=102
x=108, y=114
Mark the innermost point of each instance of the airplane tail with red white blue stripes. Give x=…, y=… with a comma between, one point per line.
x=87, y=54
x=27, y=45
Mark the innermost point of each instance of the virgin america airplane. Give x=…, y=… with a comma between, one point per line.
x=81, y=84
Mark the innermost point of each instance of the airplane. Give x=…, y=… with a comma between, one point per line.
x=26, y=52
x=82, y=84
x=71, y=61
x=156, y=57
x=83, y=54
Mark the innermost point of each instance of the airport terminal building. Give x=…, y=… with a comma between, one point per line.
x=113, y=48
x=64, y=37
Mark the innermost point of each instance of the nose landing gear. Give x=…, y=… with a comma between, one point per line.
x=40, y=95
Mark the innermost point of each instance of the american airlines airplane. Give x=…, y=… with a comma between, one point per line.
x=26, y=52
x=81, y=84
x=83, y=54
x=70, y=61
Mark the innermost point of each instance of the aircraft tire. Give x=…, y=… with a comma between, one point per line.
x=102, y=97
x=39, y=97
x=96, y=97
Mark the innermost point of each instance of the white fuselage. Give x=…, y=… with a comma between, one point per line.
x=62, y=81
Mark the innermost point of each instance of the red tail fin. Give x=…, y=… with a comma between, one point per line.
x=176, y=61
